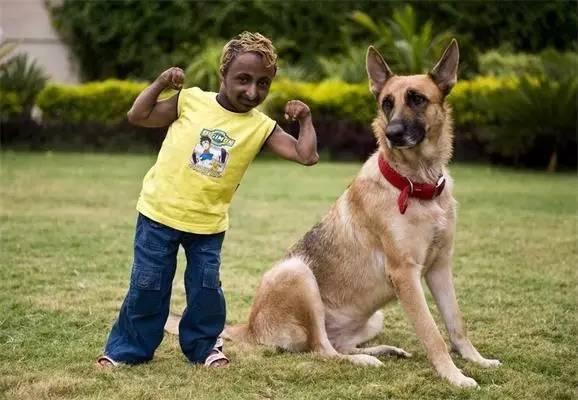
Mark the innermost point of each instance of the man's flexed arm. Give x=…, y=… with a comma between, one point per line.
x=147, y=111
x=302, y=150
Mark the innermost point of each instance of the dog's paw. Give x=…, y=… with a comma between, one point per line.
x=384, y=350
x=486, y=363
x=364, y=360
x=463, y=381
x=397, y=352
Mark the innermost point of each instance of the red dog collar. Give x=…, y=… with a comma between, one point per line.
x=425, y=191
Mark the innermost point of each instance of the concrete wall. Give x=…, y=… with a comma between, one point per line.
x=28, y=23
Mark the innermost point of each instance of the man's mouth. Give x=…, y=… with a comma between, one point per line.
x=249, y=103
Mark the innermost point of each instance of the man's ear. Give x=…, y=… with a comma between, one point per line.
x=377, y=70
x=445, y=73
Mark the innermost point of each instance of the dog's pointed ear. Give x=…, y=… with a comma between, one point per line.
x=445, y=73
x=377, y=70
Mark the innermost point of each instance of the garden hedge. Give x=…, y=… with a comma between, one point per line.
x=342, y=113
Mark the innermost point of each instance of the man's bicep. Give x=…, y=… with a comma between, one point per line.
x=164, y=113
x=282, y=144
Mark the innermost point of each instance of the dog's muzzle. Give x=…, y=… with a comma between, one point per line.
x=401, y=134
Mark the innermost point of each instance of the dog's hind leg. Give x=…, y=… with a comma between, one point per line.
x=288, y=313
x=322, y=346
x=371, y=329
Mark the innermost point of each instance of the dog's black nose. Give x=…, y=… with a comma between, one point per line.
x=394, y=131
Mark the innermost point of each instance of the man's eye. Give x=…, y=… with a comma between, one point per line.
x=243, y=80
x=264, y=84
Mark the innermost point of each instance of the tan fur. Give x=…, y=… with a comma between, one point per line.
x=326, y=295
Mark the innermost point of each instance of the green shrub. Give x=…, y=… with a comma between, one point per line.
x=24, y=78
x=472, y=100
x=511, y=117
x=537, y=108
x=348, y=67
x=11, y=104
x=106, y=102
x=335, y=98
x=498, y=63
x=140, y=38
x=203, y=71
x=530, y=114
x=353, y=101
x=556, y=65
x=412, y=46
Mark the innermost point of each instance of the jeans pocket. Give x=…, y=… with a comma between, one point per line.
x=145, y=291
x=210, y=300
x=211, y=277
x=147, y=279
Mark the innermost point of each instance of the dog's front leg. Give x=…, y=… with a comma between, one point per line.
x=406, y=280
x=440, y=282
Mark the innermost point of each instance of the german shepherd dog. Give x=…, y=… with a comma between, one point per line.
x=394, y=225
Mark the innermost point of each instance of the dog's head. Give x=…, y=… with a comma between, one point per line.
x=411, y=108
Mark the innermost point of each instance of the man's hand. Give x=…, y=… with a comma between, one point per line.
x=297, y=110
x=172, y=78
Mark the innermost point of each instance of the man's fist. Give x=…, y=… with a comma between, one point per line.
x=297, y=110
x=172, y=78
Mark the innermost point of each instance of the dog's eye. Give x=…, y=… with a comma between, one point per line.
x=417, y=99
x=387, y=104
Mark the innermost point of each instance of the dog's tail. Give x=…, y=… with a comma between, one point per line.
x=235, y=333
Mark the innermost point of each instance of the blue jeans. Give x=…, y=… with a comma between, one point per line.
x=139, y=328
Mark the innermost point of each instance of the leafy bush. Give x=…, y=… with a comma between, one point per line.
x=348, y=67
x=528, y=120
x=557, y=65
x=140, y=38
x=536, y=109
x=203, y=71
x=472, y=100
x=11, y=104
x=334, y=98
x=410, y=49
x=499, y=63
x=105, y=102
x=539, y=112
x=20, y=82
x=353, y=101
x=509, y=117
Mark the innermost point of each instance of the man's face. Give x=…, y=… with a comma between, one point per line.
x=246, y=83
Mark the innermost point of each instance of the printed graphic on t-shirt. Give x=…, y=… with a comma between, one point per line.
x=210, y=156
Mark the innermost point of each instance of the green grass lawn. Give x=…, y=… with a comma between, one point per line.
x=67, y=225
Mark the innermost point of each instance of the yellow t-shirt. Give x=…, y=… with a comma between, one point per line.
x=201, y=162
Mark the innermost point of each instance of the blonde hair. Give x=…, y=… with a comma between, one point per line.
x=248, y=42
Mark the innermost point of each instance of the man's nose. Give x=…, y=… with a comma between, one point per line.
x=251, y=92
